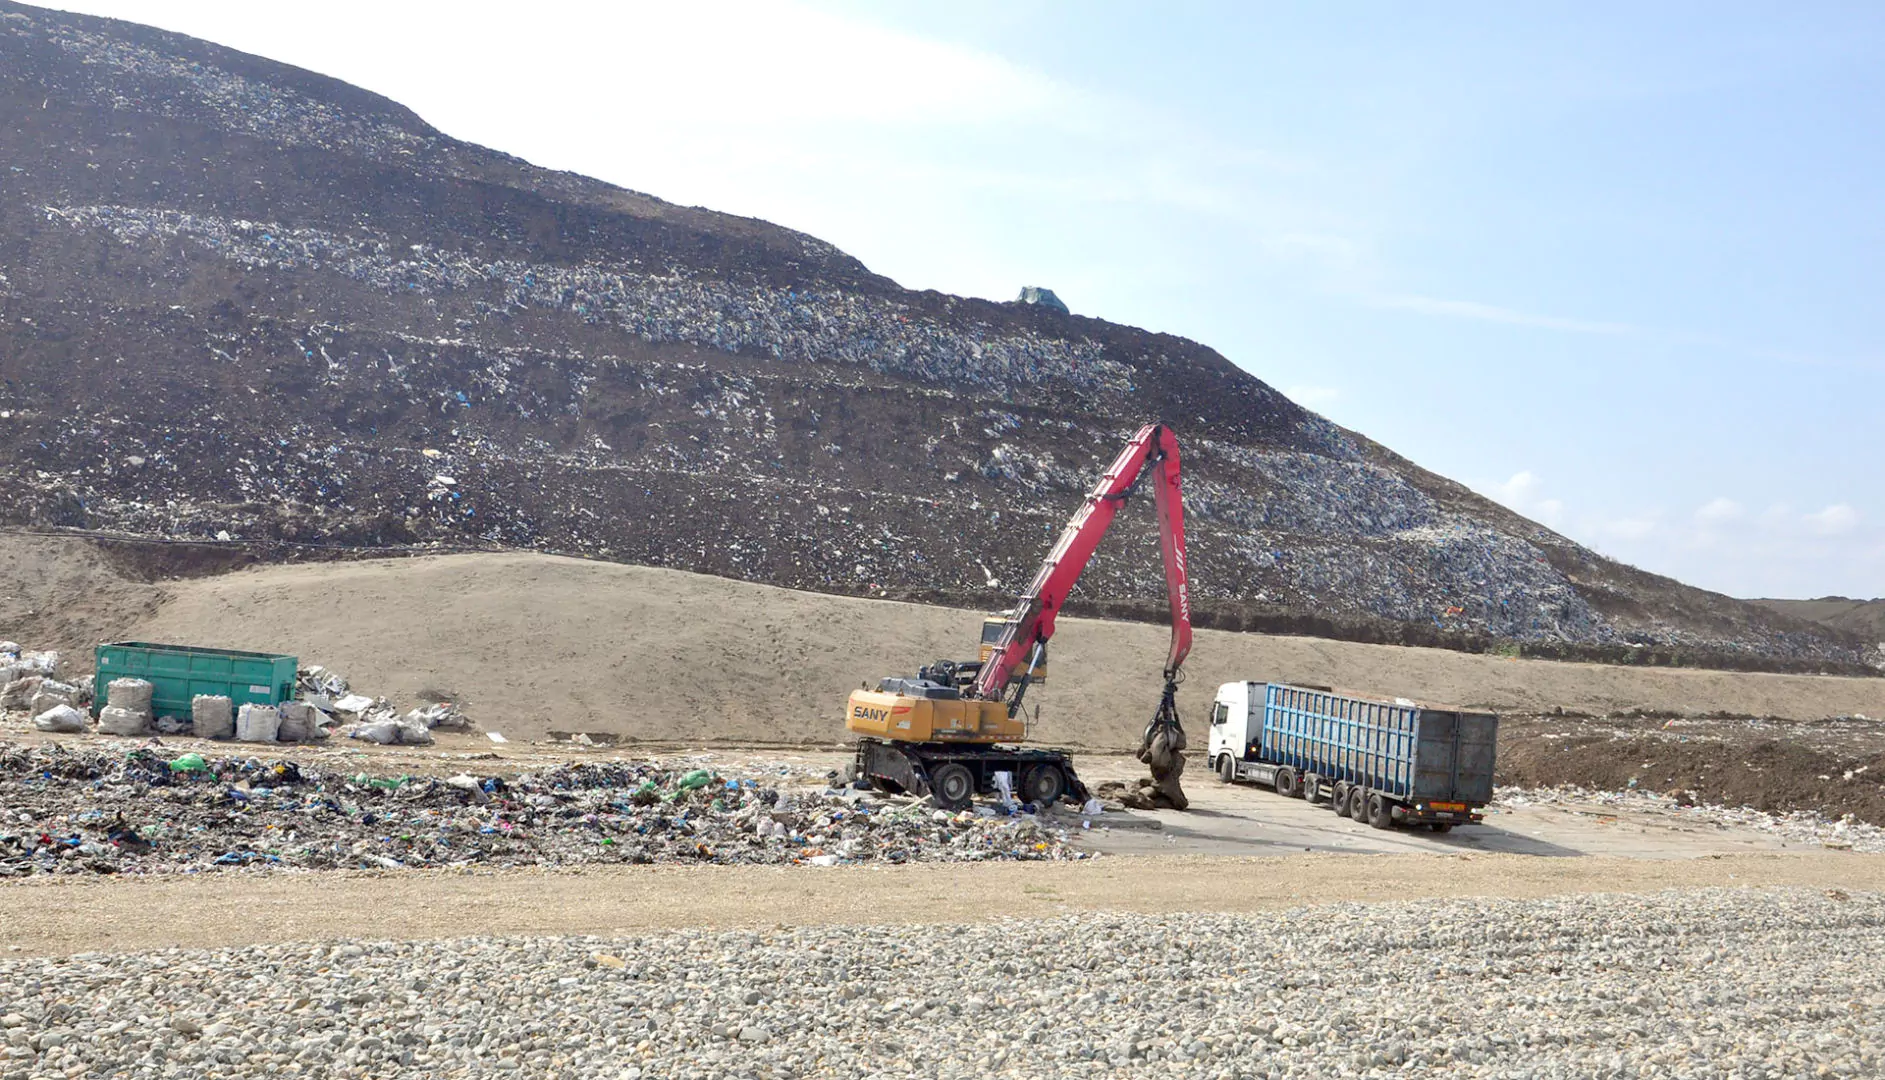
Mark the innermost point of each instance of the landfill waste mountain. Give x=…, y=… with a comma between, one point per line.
x=151, y=810
x=243, y=303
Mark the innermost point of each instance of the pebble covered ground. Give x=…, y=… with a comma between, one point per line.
x=1694, y=983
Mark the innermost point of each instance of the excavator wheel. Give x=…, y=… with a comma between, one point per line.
x=952, y=786
x=1044, y=785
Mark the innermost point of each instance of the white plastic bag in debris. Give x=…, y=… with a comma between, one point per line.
x=443, y=715
x=300, y=722
x=48, y=699
x=393, y=733
x=352, y=707
x=1004, y=789
x=63, y=719
x=132, y=694
x=258, y=723
x=113, y=720
x=42, y=663
x=212, y=716
x=18, y=693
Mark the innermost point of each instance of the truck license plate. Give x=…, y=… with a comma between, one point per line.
x=1453, y=806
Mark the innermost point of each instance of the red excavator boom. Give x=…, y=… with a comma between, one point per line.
x=1153, y=452
x=937, y=734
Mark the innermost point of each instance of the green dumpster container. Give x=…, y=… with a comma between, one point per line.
x=178, y=673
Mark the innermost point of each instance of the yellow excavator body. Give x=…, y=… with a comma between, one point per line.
x=992, y=627
x=904, y=718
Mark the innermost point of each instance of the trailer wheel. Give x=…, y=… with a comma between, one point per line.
x=1226, y=768
x=1286, y=782
x=1380, y=812
x=1338, y=800
x=951, y=786
x=1358, y=804
x=1044, y=785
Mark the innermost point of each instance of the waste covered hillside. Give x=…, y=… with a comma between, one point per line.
x=244, y=302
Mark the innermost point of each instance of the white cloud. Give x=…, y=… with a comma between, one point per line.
x=1521, y=494
x=1836, y=520
x=1517, y=490
x=1778, y=551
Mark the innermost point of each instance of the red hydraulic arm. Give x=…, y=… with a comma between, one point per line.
x=1152, y=452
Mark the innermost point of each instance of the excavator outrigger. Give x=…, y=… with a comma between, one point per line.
x=941, y=734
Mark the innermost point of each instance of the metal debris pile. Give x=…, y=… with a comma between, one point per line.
x=153, y=811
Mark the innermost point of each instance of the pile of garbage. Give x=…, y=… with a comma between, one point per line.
x=28, y=684
x=324, y=706
x=790, y=324
x=375, y=720
x=153, y=811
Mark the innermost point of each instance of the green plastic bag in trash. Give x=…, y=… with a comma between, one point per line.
x=693, y=781
x=190, y=763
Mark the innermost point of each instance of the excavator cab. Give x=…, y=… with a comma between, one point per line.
x=992, y=626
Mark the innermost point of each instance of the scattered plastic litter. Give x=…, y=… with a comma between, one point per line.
x=197, y=812
x=61, y=718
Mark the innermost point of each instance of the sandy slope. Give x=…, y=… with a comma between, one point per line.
x=60, y=593
x=529, y=643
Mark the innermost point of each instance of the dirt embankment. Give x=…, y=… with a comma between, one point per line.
x=67, y=594
x=529, y=643
x=532, y=643
x=1833, y=768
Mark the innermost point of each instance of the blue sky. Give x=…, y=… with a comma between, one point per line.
x=1616, y=265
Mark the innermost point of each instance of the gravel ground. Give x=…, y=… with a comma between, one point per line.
x=1691, y=983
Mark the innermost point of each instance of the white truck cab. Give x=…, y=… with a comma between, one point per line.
x=1236, y=723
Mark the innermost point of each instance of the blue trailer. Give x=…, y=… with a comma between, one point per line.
x=1380, y=762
